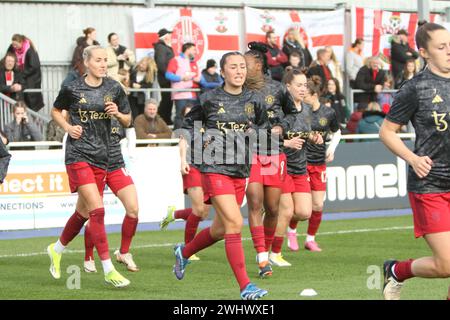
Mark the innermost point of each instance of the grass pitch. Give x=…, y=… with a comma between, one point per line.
x=348, y=268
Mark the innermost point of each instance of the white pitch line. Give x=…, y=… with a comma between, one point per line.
x=162, y=245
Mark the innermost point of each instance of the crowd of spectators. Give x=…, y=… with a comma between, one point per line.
x=20, y=70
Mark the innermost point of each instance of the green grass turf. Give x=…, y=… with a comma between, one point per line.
x=339, y=272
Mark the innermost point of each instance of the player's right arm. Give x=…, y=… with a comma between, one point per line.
x=402, y=110
x=63, y=102
x=183, y=156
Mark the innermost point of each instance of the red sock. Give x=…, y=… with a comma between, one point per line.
x=72, y=228
x=314, y=222
x=293, y=224
x=277, y=244
x=268, y=236
x=236, y=258
x=258, y=238
x=88, y=244
x=182, y=214
x=129, y=226
x=201, y=241
x=97, y=229
x=191, y=228
x=402, y=270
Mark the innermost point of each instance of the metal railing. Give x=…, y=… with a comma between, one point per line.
x=6, y=114
x=145, y=142
x=353, y=91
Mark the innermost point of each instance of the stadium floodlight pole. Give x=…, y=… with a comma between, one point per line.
x=150, y=3
x=447, y=14
x=423, y=9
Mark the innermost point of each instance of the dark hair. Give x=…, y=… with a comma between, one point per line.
x=290, y=75
x=9, y=54
x=336, y=83
x=295, y=54
x=269, y=33
x=258, y=51
x=223, y=60
x=423, y=36
x=20, y=104
x=405, y=69
x=421, y=23
x=88, y=31
x=314, y=86
x=357, y=42
x=187, y=46
x=21, y=38
x=186, y=106
x=111, y=35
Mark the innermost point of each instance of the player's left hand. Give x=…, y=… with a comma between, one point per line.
x=111, y=108
x=185, y=168
x=316, y=138
x=329, y=157
x=277, y=130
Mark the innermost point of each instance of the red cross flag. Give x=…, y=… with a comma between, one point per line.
x=319, y=29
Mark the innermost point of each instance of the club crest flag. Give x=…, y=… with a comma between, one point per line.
x=213, y=31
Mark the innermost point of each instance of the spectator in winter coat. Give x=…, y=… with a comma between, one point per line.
x=401, y=53
x=119, y=57
x=29, y=65
x=372, y=119
x=150, y=125
x=22, y=128
x=294, y=43
x=183, y=73
x=163, y=54
x=370, y=78
x=337, y=101
x=89, y=39
x=143, y=76
x=11, y=80
x=408, y=73
x=320, y=67
x=4, y=157
x=354, y=60
x=276, y=59
x=210, y=79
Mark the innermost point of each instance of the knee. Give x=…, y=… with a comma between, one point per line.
x=302, y=215
x=317, y=206
x=272, y=209
x=133, y=212
x=234, y=226
x=443, y=268
x=200, y=211
x=254, y=203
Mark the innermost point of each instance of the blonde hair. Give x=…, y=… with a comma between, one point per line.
x=333, y=55
x=87, y=52
x=373, y=106
x=151, y=69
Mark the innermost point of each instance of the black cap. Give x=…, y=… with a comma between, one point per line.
x=210, y=63
x=402, y=31
x=163, y=32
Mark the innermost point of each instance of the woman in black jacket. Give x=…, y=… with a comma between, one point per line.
x=337, y=101
x=142, y=77
x=294, y=43
x=11, y=79
x=30, y=66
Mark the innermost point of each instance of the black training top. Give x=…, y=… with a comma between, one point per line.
x=86, y=107
x=230, y=123
x=274, y=97
x=297, y=124
x=115, y=151
x=425, y=101
x=324, y=120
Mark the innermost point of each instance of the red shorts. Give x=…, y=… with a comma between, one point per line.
x=118, y=179
x=217, y=184
x=296, y=183
x=431, y=212
x=269, y=171
x=81, y=173
x=192, y=179
x=318, y=176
